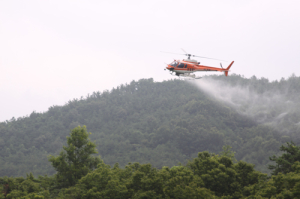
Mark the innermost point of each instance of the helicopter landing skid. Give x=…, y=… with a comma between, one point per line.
x=189, y=76
x=186, y=76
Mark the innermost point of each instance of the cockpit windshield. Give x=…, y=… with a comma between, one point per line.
x=174, y=63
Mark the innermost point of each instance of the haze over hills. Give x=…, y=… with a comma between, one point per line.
x=162, y=123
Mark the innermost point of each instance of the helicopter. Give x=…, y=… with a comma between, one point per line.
x=187, y=67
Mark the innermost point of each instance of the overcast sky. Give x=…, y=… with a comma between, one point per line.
x=58, y=50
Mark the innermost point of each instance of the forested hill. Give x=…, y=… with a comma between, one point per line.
x=162, y=123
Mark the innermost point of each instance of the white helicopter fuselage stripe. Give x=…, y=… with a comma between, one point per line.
x=183, y=71
x=197, y=70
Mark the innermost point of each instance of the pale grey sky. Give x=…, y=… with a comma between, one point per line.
x=54, y=51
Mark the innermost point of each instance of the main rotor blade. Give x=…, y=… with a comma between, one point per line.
x=173, y=53
x=193, y=55
x=184, y=51
x=208, y=58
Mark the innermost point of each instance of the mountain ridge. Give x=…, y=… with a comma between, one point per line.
x=161, y=123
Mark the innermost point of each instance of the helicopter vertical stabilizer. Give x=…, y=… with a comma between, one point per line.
x=227, y=69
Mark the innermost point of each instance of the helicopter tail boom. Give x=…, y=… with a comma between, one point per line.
x=227, y=69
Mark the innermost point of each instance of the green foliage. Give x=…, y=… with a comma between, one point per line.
x=76, y=161
x=139, y=181
x=161, y=123
x=279, y=186
x=182, y=183
x=228, y=153
x=285, y=162
x=207, y=176
x=222, y=176
x=28, y=188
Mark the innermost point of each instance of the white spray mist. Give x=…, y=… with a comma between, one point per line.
x=269, y=108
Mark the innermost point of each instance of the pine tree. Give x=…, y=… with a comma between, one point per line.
x=284, y=163
x=76, y=160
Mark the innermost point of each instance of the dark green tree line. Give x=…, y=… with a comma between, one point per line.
x=207, y=176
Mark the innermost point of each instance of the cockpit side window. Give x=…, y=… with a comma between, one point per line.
x=181, y=65
x=174, y=64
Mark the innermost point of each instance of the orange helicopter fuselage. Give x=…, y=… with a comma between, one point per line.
x=191, y=66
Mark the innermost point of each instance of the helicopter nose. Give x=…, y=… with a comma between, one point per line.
x=170, y=68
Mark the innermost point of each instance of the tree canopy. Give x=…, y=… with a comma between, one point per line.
x=285, y=162
x=161, y=123
x=76, y=160
x=207, y=176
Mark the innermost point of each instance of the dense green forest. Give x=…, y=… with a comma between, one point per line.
x=161, y=123
x=81, y=175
